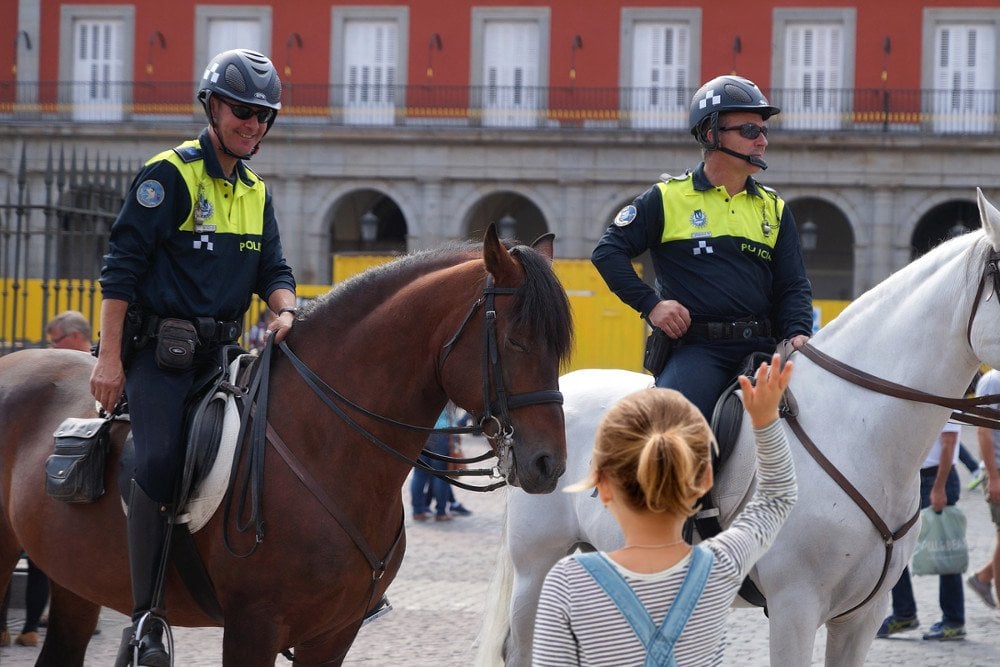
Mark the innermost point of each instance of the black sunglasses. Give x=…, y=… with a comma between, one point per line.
x=747, y=130
x=243, y=112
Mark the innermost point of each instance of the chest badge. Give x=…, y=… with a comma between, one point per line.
x=698, y=218
x=202, y=208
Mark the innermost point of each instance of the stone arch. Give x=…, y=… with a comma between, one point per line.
x=529, y=220
x=942, y=221
x=829, y=258
x=341, y=229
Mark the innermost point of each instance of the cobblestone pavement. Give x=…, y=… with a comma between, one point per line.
x=439, y=593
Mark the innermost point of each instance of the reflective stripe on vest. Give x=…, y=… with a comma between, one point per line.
x=233, y=209
x=690, y=214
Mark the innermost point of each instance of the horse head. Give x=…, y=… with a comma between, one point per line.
x=525, y=319
x=984, y=319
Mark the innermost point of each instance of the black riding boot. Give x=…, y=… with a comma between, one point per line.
x=148, y=544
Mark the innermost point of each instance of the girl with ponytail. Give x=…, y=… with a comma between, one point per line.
x=657, y=600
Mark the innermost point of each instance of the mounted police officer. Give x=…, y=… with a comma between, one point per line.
x=729, y=273
x=195, y=238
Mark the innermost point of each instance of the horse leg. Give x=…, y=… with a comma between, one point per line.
x=72, y=621
x=849, y=639
x=248, y=642
x=530, y=568
x=793, y=621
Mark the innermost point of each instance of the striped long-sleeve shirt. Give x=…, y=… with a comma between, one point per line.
x=578, y=624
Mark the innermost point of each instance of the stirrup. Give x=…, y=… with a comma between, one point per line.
x=381, y=609
x=140, y=631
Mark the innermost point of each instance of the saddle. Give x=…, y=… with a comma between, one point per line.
x=75, y=472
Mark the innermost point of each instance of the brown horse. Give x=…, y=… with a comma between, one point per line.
x=484, y=326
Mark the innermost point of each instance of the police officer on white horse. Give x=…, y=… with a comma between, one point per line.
x=730, y=279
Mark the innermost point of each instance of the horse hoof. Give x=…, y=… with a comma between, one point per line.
x=4, y=637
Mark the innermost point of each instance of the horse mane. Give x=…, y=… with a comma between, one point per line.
x=964, y=257
x=540, y=304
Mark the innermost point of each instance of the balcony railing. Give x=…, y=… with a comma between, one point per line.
x=827, y=110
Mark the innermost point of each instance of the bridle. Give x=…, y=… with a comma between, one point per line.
x=495, y=423
x=974, y=411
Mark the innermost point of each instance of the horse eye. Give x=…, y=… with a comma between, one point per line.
x=518, y=345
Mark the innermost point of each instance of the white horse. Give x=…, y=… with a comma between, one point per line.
x=927, y=327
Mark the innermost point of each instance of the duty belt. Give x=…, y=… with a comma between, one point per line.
x=730, y=330
x=209, y=329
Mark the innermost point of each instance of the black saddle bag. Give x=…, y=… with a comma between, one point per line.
x=74, y=473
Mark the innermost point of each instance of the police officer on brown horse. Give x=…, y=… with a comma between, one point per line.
x=196, y=237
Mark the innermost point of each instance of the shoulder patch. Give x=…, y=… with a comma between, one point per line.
x=188, y=153
x=625, y=216
x=149, y=193
x=666, y=178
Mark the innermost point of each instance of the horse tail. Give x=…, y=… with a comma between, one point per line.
x=494, y=625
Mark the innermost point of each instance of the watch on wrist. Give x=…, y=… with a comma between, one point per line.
x=289, y=309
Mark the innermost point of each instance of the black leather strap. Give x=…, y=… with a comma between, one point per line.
x=730, y=330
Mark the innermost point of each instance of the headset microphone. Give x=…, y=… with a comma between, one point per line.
x=752, y=159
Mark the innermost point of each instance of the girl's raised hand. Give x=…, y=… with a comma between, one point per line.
x=762, y=400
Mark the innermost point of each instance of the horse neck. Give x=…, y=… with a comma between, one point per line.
x=910, y=330
x=385, y=358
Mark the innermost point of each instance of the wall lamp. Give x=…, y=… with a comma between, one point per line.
x=369, y=228
x=507, y=226
x=17, y=42
x=574, y=46
x=434, y=44
x=155, y=38
x=809, y=235
x=295, y=39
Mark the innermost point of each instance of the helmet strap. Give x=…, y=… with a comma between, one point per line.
x=716, y=144
x=218, y=135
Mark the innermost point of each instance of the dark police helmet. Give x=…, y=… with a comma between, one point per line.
x=722, y=94
x=243, y=76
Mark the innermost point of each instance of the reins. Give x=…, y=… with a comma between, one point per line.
x=971, y=410
x=496, y=412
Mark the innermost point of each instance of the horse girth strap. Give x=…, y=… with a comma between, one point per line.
x=975, y=410
x=889, y=538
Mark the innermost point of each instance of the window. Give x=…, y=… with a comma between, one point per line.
x=368, y=63
x=219, y=28
x=510, y=65
x=659, y=66
x=96, y=60
x=962, y=97
x=814, y=78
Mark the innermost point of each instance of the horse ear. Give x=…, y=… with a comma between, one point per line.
x=544, y=244
x=990, y=218
x=497, y=257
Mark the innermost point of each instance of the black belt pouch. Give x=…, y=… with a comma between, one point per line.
x=658, y=348
x=74, y=473
x=176, y=341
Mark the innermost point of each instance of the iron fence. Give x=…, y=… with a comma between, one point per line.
x=51, y=250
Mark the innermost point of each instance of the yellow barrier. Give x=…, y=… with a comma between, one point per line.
x=608, y=334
